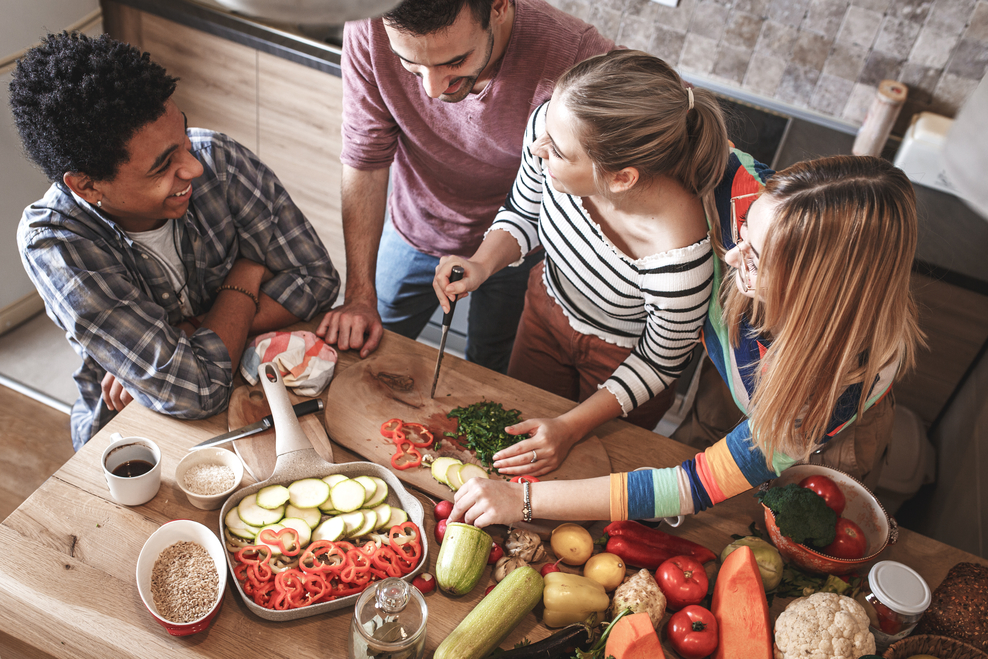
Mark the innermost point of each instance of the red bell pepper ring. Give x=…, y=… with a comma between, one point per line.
x=272, y=537
x=252, y=554
x=417, y=430
x=323, y=557
x=390, y=427
x=259, y=574
x=358, y=572
x=341, y=590
x=238, y=572
x=262, y=595
x=524, y=479
x=416, y=457
x=387, y=560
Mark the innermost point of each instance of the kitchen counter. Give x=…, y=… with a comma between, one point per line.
x=67, y=585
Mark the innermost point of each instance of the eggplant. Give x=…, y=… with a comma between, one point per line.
x=561, y=644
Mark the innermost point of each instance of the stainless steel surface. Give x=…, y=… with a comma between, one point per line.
x=333, y=12
x=456, y=274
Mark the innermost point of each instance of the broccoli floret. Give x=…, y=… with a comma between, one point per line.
x=801, y=514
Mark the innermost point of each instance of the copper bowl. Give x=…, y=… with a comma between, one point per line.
x=863, y=508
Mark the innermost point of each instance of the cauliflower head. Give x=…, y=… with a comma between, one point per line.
x=823, y=626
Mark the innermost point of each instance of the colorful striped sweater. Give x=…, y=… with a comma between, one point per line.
x=732, y=465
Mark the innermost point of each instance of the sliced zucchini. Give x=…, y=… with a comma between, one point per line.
x=239, y=527
x=453, y=476
x=439, y=467
x=383, y=512
x=333, y=479
x=308, y=493
x=348, y=495
x=275, y=549
x=470, y=471
x=353, y=521
x=253, y=515
x=369, y=485
x=398, y=516
x=272, y=496
x=332, y=529
x=380, y=494
x=301, y=527
x=370, y=521
x=312, y=516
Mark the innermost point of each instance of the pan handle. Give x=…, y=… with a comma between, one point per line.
x=289, y=436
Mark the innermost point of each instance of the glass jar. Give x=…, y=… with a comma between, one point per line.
x=388, y=622
x=894, y=597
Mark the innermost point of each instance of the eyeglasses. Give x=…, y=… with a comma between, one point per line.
x=739, y=216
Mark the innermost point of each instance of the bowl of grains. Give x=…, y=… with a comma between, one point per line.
x=208, y=476
x=181, y=576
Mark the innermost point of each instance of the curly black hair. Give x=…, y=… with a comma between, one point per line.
x=77, y=102
x=423, y=17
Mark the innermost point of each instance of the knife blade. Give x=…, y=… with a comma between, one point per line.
x=301, y=409
x=456, y=274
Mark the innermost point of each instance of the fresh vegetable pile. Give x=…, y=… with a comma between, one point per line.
x=482, y=425
x=326, y=570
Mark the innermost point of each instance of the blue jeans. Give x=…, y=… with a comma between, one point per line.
x=406, y=300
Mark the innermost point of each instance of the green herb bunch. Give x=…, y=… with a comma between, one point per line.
x=483, y=424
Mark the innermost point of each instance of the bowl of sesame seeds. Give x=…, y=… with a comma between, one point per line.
x=208, y=476
x=181, y=574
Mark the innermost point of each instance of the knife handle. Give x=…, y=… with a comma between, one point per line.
x=456, y=274
x=308, y=407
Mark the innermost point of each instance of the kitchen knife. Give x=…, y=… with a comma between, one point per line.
x=301, y=409
x=456, y=274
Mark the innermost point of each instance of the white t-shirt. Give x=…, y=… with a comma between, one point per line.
x=160, y=243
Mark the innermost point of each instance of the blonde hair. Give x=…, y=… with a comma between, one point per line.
x=833, y=292
x=636, y=112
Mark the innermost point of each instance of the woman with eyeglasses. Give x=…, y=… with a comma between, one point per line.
x=813, y=322
x=614, y=169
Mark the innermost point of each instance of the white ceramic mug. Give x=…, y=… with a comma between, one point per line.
x=132, y=490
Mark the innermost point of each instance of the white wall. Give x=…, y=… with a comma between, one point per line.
x=24, y=23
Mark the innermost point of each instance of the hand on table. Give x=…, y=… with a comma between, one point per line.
x=483, y=501
x=549, y=444
x=353, y=325
x=114, y=395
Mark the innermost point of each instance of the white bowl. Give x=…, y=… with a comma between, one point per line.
x=178, y=531
x=210, y=455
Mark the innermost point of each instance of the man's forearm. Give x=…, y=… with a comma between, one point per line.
x=364, y=199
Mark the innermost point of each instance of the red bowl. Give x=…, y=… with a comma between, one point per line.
x=863, y=508
x=177, y=531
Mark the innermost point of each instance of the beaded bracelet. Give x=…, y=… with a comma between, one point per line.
x=227, y=287
x=526, y=512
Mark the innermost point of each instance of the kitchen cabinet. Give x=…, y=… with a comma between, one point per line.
x=287, y=113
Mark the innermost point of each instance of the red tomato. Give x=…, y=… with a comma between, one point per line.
x=496, y=553
x=693, y=632
x=440, y=531
x=848, y=543
x=827, y=489
x=443, y=509
x=890, y=622
x=683, y=581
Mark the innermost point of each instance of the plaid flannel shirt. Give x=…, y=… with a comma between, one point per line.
x=119, y=309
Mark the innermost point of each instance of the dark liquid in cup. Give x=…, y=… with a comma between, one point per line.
x=133, y=468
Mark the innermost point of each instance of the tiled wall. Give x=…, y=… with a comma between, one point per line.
x=827, y=56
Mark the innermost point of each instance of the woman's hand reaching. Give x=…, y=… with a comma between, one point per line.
x=549, y=443
x=483, y=501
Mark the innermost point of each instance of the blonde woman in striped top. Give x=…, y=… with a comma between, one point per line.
x=613, y=173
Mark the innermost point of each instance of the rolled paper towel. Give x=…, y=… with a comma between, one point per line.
x=884, y=110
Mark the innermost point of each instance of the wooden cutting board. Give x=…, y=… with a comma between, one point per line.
x=248, y=405
x=369, y=392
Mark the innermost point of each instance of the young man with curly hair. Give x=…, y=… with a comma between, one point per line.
x=159, y=248
x=438, y=93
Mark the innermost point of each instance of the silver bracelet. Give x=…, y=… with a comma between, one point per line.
x=526, y=512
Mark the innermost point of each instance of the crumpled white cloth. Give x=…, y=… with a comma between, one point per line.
x=304, y=360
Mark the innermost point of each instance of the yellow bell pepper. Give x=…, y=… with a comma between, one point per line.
x=570, y=598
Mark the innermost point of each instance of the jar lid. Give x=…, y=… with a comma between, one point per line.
x=899, y=587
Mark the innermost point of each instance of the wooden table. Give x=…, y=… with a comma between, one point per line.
x=67, y=570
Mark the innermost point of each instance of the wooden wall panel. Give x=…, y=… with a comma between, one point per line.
x=300, y=114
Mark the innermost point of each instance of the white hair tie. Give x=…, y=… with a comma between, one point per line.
x=689, y=93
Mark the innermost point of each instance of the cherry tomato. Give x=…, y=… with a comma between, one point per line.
x=849, y=542
x=828, y=489
x=683, y=581
x=440, y=531
x=443, y=510
x=496, y=553
x=693, y=632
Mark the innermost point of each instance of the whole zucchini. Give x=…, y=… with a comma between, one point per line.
x=494, y=617
x=462, y=558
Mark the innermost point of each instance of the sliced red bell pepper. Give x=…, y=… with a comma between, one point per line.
x=416, y=457
x=657, y=542
x=252, y=554
x=358, y=572
x=387, y=560
x=418, y=435
x=272, y=537
x=390, y=427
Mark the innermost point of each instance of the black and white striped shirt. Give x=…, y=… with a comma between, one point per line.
x=655, y=305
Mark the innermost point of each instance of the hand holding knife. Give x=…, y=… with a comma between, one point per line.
x=456, y=274
x=301, y=409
